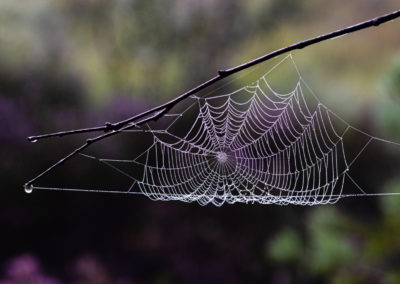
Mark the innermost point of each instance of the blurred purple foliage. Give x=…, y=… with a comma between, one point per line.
x=15, y=124
x=25, y=269
x=87, y=269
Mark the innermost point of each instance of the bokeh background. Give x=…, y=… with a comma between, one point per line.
x=69, y=64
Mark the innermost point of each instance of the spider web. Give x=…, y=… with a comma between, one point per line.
x=252, y=145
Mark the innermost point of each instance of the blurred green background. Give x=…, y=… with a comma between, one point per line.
x=71, y=64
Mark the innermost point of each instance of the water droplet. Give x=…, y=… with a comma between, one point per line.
x=28, y=188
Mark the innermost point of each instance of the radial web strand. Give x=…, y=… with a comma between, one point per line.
x=252, y=145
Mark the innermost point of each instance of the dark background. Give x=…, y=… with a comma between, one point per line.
x=72, y=64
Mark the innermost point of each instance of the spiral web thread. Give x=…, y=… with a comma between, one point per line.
x=253, y=145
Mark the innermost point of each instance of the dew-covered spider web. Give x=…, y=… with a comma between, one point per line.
x=250, y=145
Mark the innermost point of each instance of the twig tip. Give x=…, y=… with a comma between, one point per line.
x=32, y=139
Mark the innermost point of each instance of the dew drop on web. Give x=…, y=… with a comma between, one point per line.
x=28, y=188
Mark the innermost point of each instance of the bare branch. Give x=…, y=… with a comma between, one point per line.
x=84, y=146
x=157, y=112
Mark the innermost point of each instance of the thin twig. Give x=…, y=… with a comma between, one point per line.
x=159, y=111
x=83, y=147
